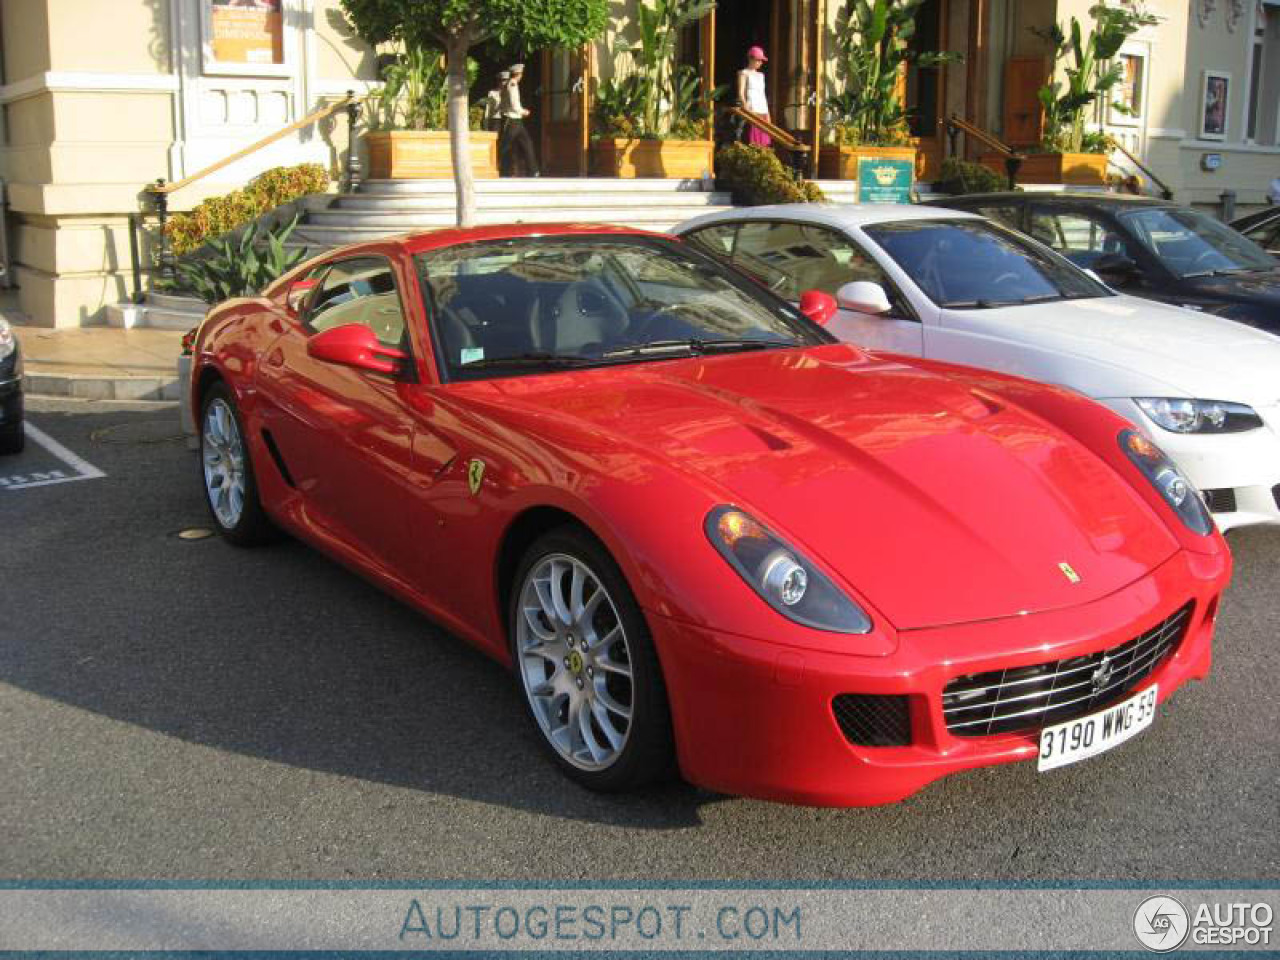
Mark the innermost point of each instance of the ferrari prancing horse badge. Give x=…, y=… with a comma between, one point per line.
x=475, y=475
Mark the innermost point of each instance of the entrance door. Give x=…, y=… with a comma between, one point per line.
x=566, y=83
x=926, y=88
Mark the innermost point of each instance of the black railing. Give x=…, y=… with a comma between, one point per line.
x=1012, y=158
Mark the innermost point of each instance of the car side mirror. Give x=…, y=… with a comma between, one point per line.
x=354, y=345
x=863, y=296
x=818, y=306
x=299, y=290
x=1114, y=268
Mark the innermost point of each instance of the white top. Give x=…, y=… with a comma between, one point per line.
x=510, y=107
x=757, y=100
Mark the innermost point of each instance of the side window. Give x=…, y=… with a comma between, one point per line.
x=1008, y=214
x=1267, y=235
x=360, y=291
x=794, y=257
x=1080, y=238
x=717, y=240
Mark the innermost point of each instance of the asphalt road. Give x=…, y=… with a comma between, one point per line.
x=184, y=709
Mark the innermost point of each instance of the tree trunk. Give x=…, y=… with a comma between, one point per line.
x=459, y=132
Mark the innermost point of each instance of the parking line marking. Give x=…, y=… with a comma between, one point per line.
x=83, y=468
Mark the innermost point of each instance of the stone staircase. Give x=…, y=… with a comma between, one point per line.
x=384, y=207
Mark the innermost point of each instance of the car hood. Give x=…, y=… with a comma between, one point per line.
x=1261, y=287
x=935, y=502
x=1149, y=346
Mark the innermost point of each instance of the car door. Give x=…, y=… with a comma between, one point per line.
x=1084, y=237
x=345, y=435
x=791, y=257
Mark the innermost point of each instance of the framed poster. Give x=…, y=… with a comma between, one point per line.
x=885, y=180
x=243, y=37
x=1215, y=96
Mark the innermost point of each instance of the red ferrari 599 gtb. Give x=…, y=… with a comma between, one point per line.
x=703, y=534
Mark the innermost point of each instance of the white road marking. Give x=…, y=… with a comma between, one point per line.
x=84, y=470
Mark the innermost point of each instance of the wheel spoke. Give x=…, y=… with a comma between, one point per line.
x=605, y=723
x=605, y=698
x=557, y=593
x=575, y=594
x=594, y=750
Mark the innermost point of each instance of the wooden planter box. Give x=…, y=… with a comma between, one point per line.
x=671, y=159
x=424, y=154
x=841, y=163
x=1077, y=169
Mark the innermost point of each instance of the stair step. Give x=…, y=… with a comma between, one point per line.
x=528, y=214
x=391, y=203
x=319, y=237
x=540, y=185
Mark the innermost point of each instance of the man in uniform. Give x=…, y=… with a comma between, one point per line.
x=514, y=137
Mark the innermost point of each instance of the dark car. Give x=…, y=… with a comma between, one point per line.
x=1263, y=228
x=1147, y=248
x=11, y=433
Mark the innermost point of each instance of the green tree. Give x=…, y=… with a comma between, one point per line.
x=456, y=26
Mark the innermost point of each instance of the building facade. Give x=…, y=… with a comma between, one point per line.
x=102, y=97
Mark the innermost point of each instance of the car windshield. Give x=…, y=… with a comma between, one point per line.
x=533, y=304
x=977, y=265
x=1192, y=244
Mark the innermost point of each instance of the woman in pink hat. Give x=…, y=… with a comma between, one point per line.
x=751, y=94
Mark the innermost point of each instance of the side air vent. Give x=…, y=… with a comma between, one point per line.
x=270, y=441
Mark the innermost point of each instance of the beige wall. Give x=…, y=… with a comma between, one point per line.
x=91, y=116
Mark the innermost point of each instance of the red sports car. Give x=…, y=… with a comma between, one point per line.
x=702, y=533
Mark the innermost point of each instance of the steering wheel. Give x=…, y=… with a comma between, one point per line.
x=1005, y=278
x=1204, y=254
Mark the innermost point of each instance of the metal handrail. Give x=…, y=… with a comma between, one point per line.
x=160, y=191
x=1012, y=157
x=1164, y=187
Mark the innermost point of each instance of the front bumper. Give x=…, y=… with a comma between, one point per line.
x=10, y=395
x=1238, y=472
x=756, y=718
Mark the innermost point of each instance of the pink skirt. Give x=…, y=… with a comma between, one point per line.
x=757, y=137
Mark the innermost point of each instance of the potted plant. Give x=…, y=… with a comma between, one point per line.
x=867, y=115
x=652, y=119
x=407, y=134
x=1069, y=152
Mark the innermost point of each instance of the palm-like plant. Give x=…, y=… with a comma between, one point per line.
x=240, y=268
x=668, y=97
x=873, y=48
x=1091, y=73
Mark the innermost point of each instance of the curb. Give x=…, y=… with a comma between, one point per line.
x=156, y=388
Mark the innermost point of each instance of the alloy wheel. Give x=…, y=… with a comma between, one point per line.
x=224, y=468
x=574, y=662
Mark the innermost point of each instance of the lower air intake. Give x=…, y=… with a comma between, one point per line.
x=873, y=720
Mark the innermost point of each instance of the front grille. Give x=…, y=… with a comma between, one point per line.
x=1222, y=500
x=1026, y=698
x=873, y=720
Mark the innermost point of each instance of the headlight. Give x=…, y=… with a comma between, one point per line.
x=8, y=342
x=1178, y=415
x=1176, y=489
x=781, y=575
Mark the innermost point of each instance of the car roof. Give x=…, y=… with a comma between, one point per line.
x=1066, y=199
x=838, y=215
x=421, y=241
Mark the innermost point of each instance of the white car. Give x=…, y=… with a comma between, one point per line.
x=957, y=287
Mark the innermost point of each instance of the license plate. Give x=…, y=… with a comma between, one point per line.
x=1086, y=737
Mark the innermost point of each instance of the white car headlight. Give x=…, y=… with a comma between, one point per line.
x=1180, y=415
x=8, y=342
x=782, y=576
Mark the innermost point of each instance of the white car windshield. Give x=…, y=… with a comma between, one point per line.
x=977, y=265
x=1194, y=245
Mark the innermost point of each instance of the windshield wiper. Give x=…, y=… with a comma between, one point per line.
x=693, y=345
x=971, y=304
x=523, y=361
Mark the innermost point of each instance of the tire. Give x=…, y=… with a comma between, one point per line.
x=12, y=439
x=583, y=665
x=226, y=472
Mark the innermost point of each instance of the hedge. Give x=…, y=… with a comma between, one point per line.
x=268, y=190
x=756, y=176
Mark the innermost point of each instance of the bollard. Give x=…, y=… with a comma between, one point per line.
x=1228, y=205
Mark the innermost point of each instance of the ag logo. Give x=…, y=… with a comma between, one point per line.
x=1098, y=680
x=1069, y=572
x=475, y=475
x=1161, y=923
